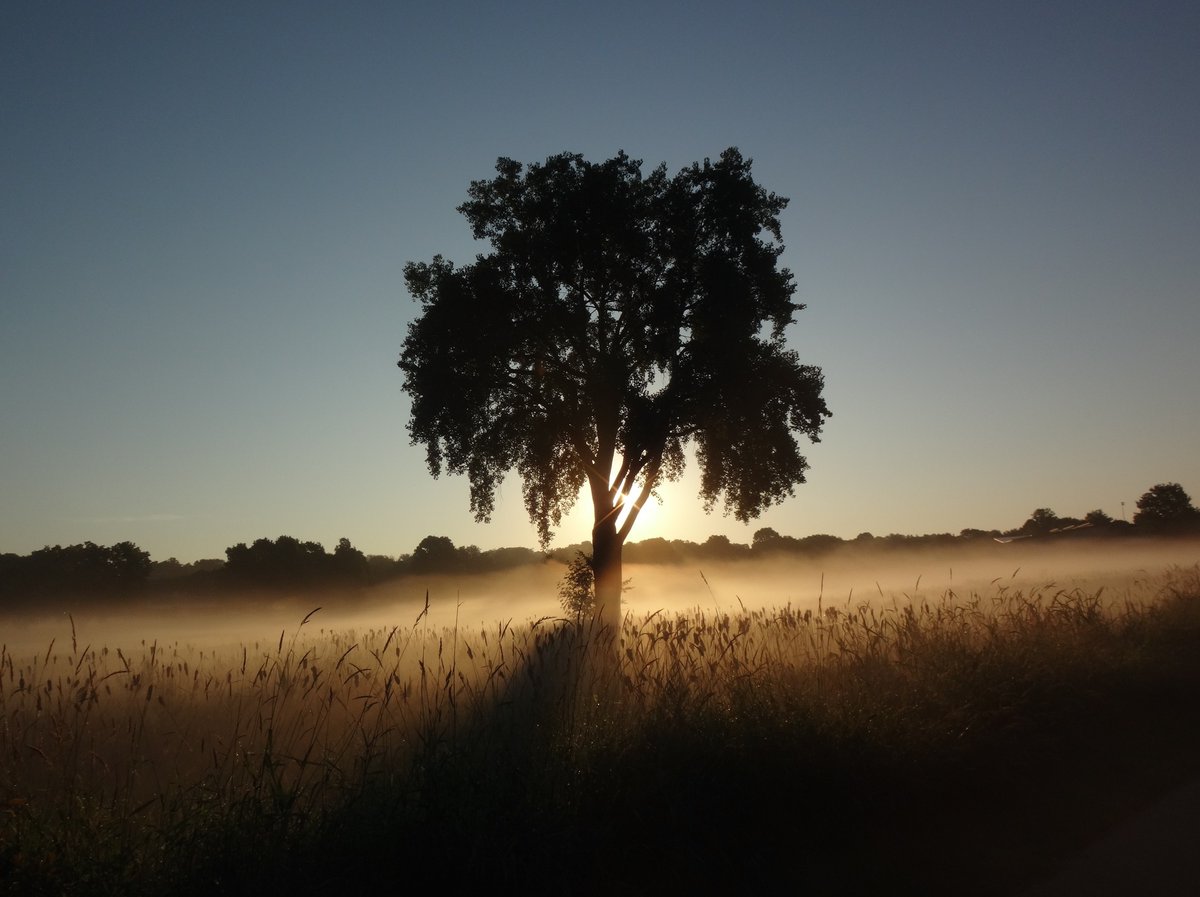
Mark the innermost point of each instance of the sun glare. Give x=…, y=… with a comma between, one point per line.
x=645, y=519
x=651, y=518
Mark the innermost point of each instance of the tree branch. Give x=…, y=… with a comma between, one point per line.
x=643, y=494
x=586, y=458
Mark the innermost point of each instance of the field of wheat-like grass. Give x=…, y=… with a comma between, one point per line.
x=164, y=768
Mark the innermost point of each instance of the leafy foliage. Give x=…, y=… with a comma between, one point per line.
x=1166, y=507
x=1042, y=521
x=619, y=318
x=618, y=313
x=87, y=568
x=434, y=553
x=290, y=563
x=575, y=593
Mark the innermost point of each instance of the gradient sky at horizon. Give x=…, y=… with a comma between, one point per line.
x=206, y=208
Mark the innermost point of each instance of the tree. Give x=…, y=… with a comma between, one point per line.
x=129, y=566
x=284, y=563
x=721, y=548
x=766, y=539
x=435, y=554
x=618, y=320
x=1040, y=522
x=1166, y=507
x=974, y=533
x=575, y=589
x=87, y=569
x=350, y=564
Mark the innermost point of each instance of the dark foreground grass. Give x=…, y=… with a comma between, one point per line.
x=964, y=745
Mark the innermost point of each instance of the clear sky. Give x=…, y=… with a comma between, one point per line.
x=205, y=209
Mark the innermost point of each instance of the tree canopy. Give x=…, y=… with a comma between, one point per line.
x=620, y=318
x=81, y=569
x=1167, y=507
x=288, y=562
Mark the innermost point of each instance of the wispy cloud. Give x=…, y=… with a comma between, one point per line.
x=134, y=518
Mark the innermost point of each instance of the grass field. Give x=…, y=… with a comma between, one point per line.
x=955, y=743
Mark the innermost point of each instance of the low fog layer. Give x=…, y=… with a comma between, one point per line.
x=1130, y=568
x=862, y=576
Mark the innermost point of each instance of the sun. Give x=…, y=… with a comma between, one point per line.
x=647, y=514
x=651, y=518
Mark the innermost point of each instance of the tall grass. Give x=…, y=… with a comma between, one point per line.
x=420, y=755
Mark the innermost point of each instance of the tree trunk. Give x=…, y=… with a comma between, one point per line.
x=606, y=566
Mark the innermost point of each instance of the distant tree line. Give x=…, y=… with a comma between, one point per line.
x=290, y=564
x=88, y=569
x=287, y=564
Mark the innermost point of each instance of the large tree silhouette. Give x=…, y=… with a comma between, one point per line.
x=618, y=319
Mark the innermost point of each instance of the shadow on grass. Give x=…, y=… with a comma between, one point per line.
x=620, y=796
x=956, y=755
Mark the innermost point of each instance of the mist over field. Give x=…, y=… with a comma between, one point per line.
x=252, y=734
x=861, y=575
x=849, y=575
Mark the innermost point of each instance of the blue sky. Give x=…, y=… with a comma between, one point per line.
x=206, y=209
